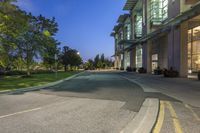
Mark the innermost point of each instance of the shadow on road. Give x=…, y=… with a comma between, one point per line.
x=106, y=86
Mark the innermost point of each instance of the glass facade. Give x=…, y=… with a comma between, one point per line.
x=154, y=61
x=194, y=50
x=139, y=56
x=128, y=31
x=159, y=11
x=138, y=26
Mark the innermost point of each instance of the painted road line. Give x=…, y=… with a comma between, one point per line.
x=18, y=113
x=193, y=113
x=161, y=116
x=176, y=122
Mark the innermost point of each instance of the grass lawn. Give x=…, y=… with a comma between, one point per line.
x=16, y=82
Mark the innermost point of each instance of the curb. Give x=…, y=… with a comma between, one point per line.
x=35, y=88
x=145, y=119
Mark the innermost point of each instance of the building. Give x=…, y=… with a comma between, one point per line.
x=164, y=33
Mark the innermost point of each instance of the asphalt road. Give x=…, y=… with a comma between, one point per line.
x=92, y=102
x=99, y=102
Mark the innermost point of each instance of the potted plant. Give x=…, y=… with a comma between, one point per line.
x=170, y=73
x=129, y=69
x=158, y=71
x=142, y=70
x=134, y=69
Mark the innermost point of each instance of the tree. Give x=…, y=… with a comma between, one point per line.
x=49, y=53
x=70, y=57
x=11, y=24
x=34, y=40
x=96, y=60
x=102, y=58
x=89, y=65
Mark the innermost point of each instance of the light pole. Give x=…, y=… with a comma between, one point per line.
x=56, y=69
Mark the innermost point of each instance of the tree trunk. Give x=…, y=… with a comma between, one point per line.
x=65, y=68
x=28, y=70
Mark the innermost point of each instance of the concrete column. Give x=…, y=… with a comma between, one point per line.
x=174, y=48
x=149, y=57
x=146, y=56
x=184, y=50
x=133, y=58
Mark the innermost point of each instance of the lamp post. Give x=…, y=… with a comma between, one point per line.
x=56, y=69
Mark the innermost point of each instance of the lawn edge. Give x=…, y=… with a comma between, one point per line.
x=35, y=88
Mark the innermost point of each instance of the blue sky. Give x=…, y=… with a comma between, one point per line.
x=83, y=24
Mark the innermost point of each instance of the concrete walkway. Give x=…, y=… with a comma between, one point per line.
x=181, y=112
x=182, y=89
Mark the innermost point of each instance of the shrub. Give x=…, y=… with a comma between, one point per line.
x=171, y=73
x=142, y=70
x=158, y=71
x=122, y=68
x=42, y=72
x=14, y=72
x=129, y=69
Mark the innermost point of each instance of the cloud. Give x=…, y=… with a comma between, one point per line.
x=26, y=5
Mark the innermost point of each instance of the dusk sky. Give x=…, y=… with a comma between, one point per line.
x=83, y=24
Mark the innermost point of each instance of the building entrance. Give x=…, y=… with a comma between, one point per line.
x=194, y=50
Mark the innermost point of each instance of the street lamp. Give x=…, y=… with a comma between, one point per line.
x=56, y=69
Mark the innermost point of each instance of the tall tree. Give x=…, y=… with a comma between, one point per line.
x=70, y=57
x=96, y=60
x=36, y=38
x=11, y=24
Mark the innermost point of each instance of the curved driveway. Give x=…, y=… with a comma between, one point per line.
x=92, y=102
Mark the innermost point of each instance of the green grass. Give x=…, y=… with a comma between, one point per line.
x=17, y=82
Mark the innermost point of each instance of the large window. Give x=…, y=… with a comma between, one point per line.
x=128, y=31
x=139, y=56
x=159, y=11
x=194, y=50
x=138, y=26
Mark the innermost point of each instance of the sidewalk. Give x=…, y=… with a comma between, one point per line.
x=183, y=89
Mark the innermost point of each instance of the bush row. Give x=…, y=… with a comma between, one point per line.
x=17, y=72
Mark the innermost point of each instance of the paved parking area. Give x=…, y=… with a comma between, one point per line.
x=92, y=102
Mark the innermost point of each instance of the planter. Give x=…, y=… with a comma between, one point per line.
x=142, y=70
x=122, y=68
x=130, y=69
x=171, y=73
x=158, y=72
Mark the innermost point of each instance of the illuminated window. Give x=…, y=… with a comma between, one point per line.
x=194, y=50
x=128, y=31
x=159, y=11
x=138, y=26
x=139, y=56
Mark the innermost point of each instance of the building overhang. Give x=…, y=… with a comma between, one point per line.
x=127, y=42
x=112, y=34
x=117, y=27
x=184, y=16
x=130, y=4
x=189, y=14
x=122, y=18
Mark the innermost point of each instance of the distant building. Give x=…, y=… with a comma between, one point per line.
x=159, y=33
